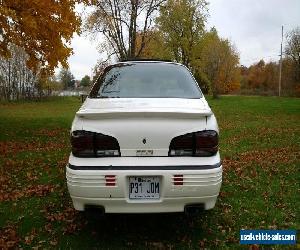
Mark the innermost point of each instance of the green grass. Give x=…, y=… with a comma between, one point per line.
x=260, y=151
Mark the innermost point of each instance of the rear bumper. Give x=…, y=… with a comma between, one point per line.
x=201, y=185
x=167, y=205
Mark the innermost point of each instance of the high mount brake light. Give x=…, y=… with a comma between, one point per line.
x=202, y=143
x=90, y=144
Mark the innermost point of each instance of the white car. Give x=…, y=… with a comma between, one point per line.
x=144, y=141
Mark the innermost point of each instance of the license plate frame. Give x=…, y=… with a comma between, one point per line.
x=144, y=187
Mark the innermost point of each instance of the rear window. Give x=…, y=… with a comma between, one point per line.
x=146, y=80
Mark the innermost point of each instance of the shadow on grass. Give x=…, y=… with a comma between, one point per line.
x=148, y=230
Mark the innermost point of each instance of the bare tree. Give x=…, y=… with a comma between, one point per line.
x=17, y=81
x=292, y=49
x=119, y=21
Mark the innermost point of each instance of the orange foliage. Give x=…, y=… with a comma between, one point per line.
x=297, y=90
x=42, y=28
x=232, y=87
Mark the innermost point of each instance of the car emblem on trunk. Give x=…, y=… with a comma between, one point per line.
x=144, y=140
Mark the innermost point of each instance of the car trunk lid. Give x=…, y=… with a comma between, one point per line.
x=143, y=127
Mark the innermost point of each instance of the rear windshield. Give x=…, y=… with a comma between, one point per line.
x=146, y=80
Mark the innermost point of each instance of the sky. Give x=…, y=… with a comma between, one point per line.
x=253, y=26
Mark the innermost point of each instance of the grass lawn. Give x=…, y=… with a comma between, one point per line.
x=260, y=145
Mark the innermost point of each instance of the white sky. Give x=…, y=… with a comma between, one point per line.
x=254, y=26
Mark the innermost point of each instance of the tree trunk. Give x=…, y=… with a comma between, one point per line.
x=215, y=95
x=132, y=29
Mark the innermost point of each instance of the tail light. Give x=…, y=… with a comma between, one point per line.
x=207, y=143
x=82, y=143
x=106, y=145
x=89, y=144
x=202, y=143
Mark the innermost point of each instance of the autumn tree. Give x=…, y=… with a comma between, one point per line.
x=256, y=75
x=182, y=24
x=46, y=85
x=43, y=29
x=119, y=21
x=261, y=78
x=218, y=62
x=66, y=78
x=180, y=36
x=290, y=77
x=271, y=77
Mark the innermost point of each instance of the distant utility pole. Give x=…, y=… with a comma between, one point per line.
x=280, y=64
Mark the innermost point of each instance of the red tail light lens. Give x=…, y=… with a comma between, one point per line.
x=202, y=143
x=89, y=144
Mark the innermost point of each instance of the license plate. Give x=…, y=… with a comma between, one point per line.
x=144, y=187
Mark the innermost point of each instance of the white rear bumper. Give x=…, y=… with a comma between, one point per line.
x=167, y=205
x=201, y=185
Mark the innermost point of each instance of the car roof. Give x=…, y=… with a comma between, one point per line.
x=147, y=61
